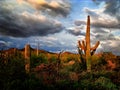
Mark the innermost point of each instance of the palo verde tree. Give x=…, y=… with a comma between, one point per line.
x=85, y=48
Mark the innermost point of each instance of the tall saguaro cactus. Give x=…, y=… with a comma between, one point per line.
x=27, y=58
x=85, y=47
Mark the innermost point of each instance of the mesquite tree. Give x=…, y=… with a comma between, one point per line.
x=85, y=48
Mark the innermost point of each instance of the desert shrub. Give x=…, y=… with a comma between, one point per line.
x=86, y=80
x=103, y=83
x=97, y=81
x=36, y=60
x=53, y=59
x=72, y=66
x=13, y=76
x=65, y=85
x=32, y=83
x=102, y=73
x=29, y=83
x=12, y=71
x=98, y=63
x=64, y=74
x=115, y=77
x=43, y=58
x=86, y=84
x=67, y=58
x=77, y=67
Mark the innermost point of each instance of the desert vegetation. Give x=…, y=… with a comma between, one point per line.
x=46, y=72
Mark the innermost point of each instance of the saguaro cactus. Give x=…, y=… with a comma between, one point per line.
x=37, y=49
x=27, y=58
x=15, y=51
x=85, y=47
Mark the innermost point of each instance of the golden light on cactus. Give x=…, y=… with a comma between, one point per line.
x=37, y=50
x=27, y=58
x=85, y=46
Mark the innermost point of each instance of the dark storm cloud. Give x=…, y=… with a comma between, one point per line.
x=91, y=13
x=112, y=7
x=11, y=42
x=76, y=31
x=79, y=23
x=99, y=30
x=111, y=46
x=99, y=24
x=99, y=20
x=25, y=24
x=104, y=37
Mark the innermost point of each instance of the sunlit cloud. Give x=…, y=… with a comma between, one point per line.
x=52, y=7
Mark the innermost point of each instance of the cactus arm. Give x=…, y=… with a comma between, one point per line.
x=96, y=45
x=84, y=46
x=80, y=45
x=80, y=51
x=81, y=55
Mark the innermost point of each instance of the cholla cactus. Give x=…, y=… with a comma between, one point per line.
x=85, y=48
x=27, y=58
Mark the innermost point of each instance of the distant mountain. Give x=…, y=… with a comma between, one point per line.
x=33, y=50
x=13, y=50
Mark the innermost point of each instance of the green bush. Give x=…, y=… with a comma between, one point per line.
x=43, y=58
x=98, y=63
x=104, y=83
x=36, y=60
x=53, y=59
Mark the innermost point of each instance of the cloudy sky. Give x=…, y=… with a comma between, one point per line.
x=58, y=24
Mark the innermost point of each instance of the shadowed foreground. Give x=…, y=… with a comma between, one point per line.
x=53, y=71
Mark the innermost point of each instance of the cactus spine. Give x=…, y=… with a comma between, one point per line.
x=85, y=47
x=27, y=58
